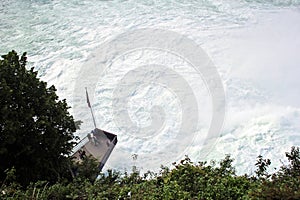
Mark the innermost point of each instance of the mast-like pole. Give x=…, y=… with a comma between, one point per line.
x=89, y=104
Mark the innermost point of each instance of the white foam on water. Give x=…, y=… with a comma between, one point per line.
x=254, y=45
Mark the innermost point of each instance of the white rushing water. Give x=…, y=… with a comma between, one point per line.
x=254, y=45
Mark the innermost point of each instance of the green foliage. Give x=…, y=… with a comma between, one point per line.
x=78, y=124
x=284, y=184
x=87, y=169
x=36, y=130
x=262, y=165
x=209, y=182
x=293, y=168
x=186, y=180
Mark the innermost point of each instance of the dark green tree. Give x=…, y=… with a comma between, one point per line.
x=283, y=184
x=36, y=129
x=262, y=166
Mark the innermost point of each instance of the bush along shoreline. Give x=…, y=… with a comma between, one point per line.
x=186, y=180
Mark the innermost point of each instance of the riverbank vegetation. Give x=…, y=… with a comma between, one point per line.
x=186, y=180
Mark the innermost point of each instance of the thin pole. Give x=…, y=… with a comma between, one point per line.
x=89, y=105
x=93, y=118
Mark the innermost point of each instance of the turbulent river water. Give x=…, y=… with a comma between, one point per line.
x=254, y=46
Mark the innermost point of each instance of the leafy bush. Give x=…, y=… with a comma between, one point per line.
x=186, y=180
x=36, y=129
x=284, y=184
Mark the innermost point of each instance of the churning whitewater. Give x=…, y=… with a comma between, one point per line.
x=254, y=46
